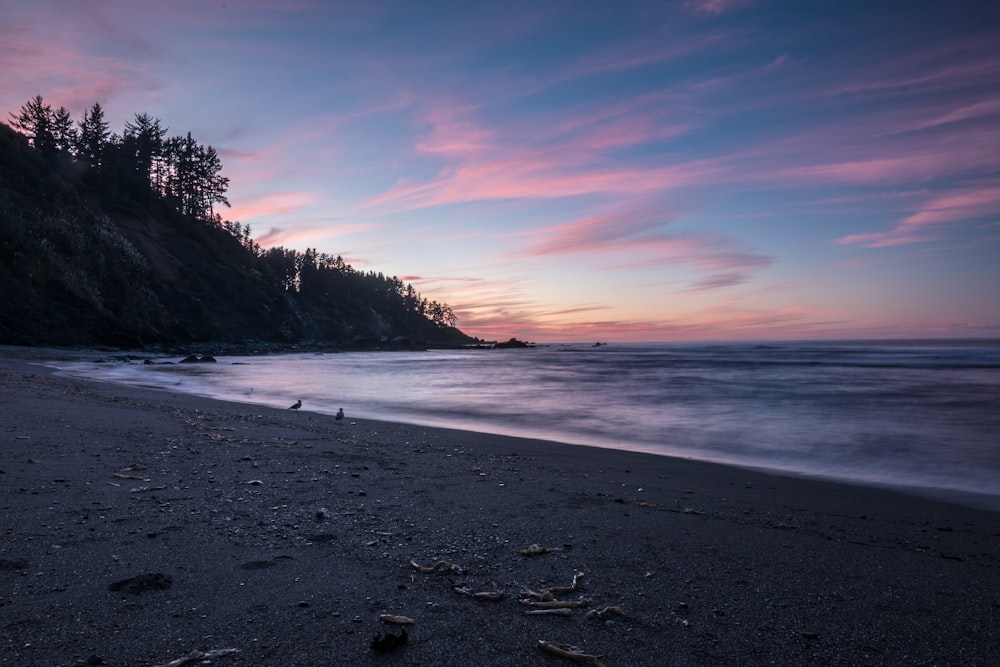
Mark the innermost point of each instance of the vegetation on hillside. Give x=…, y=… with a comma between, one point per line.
x=115, y=238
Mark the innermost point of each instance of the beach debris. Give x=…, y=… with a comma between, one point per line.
x=128, y=472
x=146, y=489
x=138, y=478
x=141, y=583
x=691, y=510
x=537, y=550
x=383, y=643
x=569, y=652
x=558, y=604
x=440, y=566
x=202, y=657
x=562, y=611
x=604, y=614
x=496, y=593
x=552, y=591
x=254, y=482
x=395, y=620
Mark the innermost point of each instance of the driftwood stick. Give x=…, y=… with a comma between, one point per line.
x=558, y=604
x=200, y=656
x=556, y=590
x=537, y=550
x=605, y=613
x=440, y=566
x=535, y=595
x=562, y=611
x=495, y=594
x=396, y=620
x=569, y=652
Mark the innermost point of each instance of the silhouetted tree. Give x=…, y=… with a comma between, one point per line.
x=63, y=133
x=35, y=120
x=143, y=139
x=93, y=136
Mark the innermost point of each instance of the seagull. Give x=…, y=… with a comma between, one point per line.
x=298, y=404
x=340, y=414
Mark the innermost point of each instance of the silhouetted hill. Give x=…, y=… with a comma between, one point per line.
x=91, y=256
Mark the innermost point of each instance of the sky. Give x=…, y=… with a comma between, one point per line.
x=582, y=170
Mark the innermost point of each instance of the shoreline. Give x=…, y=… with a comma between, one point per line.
x=970, y=498
x=285, y=535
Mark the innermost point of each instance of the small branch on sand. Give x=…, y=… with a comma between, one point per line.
x=537, y=550
x=557, y=590
x=197, y=656
x=604, y=614
x=550, y=593
x=440, y=566
x=569, y=652
x=495, y=594
x=396, y=620
x=558, y=604
x=564, y=611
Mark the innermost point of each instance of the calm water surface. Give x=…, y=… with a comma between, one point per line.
x=920, y=414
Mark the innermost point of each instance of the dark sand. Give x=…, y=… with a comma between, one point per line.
x=285, y=535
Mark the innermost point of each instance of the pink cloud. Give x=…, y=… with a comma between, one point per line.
x=935, y=214
x=274, y=204
x=638, y=235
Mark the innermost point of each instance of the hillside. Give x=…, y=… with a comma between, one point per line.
x=93, y=257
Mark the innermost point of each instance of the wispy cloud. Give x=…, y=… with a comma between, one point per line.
x=642, y=236
x=935, y=215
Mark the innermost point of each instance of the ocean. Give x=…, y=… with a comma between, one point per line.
x=919, y=415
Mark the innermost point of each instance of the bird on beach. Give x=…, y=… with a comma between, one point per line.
x=298, y=404
x=340, y=414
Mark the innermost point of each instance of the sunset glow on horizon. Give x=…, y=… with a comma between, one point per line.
x=582, y=171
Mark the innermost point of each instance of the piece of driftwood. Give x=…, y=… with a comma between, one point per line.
x=495, y=594
x=558, y=604
x=558, y=590
x=396, y=620
x=440, y=566
x=537, y=550
x=528, y=594
x=550, y=593
x=569, y=652
x=562, y=611
x=603, y=614
x=197, y=656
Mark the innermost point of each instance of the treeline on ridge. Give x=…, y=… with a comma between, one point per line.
x=115, y=237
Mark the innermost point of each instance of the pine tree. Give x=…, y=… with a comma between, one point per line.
x=93, y=137
x=63, y=132
x=144, y=141
x=35, y=120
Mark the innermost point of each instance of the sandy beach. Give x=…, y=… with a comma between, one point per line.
x=140, y=526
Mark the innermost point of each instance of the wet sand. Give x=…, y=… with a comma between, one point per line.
x=140, y=525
